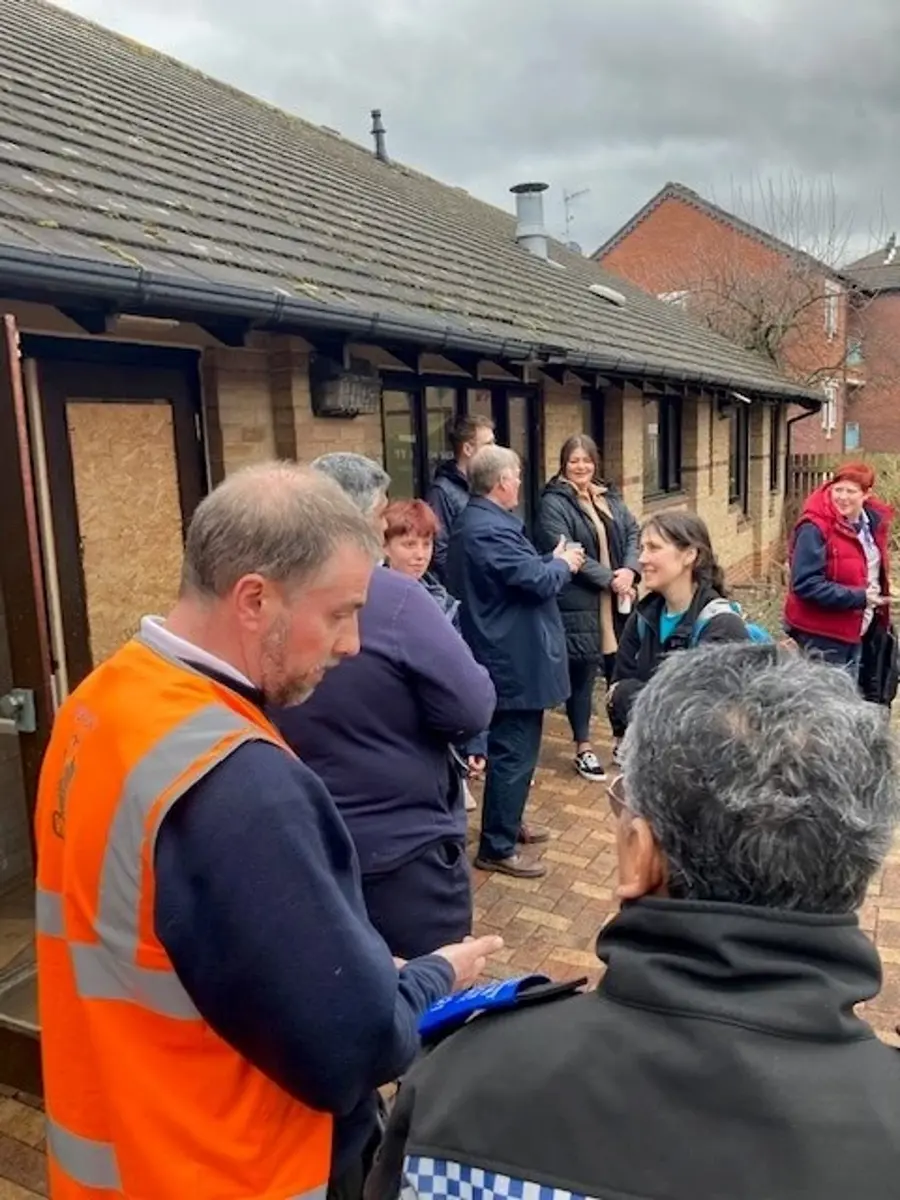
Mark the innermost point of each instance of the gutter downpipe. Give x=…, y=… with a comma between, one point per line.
x=791, y=422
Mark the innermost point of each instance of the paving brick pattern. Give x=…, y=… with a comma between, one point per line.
x=549, y=925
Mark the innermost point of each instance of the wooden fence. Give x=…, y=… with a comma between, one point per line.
x=805, y=473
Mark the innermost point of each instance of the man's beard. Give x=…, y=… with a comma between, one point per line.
x=279, y=689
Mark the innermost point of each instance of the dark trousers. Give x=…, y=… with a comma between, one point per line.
x=423, y=904
x=619, y=705
x=348, y=1180
x=514, y=744
x=831, y=651
x=580, y=705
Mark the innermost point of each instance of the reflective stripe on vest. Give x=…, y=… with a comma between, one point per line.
x=107, y=970
x=93, y=1164
x=48, y=913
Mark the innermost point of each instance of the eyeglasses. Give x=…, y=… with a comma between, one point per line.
x=615, y=793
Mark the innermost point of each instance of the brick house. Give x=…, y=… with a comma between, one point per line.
x=873, y=414
x=826, y=328
x=192, y=280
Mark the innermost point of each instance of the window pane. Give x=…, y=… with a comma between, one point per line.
x=671, y=445
x=478, y=403
x=440, y=409
x=652, y=480
x=774, y=447
x=734, y=455
x=587, y=416
x=518, y=441
x=399, y=443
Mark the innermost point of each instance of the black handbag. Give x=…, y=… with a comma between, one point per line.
x=879, y=673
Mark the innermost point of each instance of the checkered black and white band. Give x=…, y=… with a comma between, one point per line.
x=440, y=1179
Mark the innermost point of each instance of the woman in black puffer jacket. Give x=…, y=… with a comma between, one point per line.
x=576, y=505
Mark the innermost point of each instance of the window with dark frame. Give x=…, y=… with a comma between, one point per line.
x=416, y=416
x=440, y=411
x=399, y=438
x=662, y=445
x=774, y=447
x=739, y=455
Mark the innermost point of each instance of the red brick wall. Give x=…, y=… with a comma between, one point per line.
x=679, y=247
x=876, y=405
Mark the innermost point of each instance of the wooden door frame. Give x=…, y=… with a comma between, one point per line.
x=24, y=600
x=126, y=375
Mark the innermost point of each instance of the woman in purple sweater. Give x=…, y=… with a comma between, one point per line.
x=377, y=730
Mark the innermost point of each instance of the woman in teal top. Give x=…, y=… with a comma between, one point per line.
x=681, y=578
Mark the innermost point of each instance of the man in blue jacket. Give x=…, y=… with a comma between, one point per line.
x=510, y=618
x=449, y=493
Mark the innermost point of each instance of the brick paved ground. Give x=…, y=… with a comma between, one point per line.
x=549, y=924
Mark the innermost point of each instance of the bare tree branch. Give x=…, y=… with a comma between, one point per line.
x=785, y=295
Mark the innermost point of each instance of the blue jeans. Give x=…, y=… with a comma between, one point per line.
x=831, y=651
x=514, y=745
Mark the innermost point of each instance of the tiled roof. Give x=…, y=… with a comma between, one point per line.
x=117, y=157
x=879, y=271
x=678, y=191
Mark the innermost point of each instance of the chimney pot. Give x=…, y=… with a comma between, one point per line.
x=530, y=231
x=378, y=133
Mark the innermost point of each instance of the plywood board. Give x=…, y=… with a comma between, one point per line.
x=129, y=514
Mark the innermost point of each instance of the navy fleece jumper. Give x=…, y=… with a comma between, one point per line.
x=259, y=907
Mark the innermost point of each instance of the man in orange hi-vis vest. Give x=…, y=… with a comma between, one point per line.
x=216, y=1009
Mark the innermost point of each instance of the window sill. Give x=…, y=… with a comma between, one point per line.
x=653, y=501
x=736, y=509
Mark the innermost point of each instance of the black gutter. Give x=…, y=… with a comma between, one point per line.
x=27, y=274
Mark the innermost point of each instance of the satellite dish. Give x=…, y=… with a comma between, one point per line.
x=574, y=247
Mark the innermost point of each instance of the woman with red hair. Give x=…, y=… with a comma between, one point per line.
x=411, y=528
x=840, y=578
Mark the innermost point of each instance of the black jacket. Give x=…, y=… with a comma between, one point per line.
x=447, y=497
x=640, y=650
x=719, y=1059
x=561, y=515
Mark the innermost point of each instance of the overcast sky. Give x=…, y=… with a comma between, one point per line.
x=617, y=96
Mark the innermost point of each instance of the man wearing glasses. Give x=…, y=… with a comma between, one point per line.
x=722, y=1054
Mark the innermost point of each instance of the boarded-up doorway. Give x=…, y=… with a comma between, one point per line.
x=125, y=465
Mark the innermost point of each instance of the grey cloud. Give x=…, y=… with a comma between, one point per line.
x=614, y=95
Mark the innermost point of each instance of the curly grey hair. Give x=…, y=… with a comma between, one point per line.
x=765, y=777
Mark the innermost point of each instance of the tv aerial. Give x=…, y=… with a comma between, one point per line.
x=569, y=199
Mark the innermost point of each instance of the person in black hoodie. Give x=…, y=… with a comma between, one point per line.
x=722, y=1056
x=578, y=506
x=449, y=492
x=685, y=589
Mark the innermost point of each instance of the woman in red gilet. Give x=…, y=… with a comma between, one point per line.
x=840, y=578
